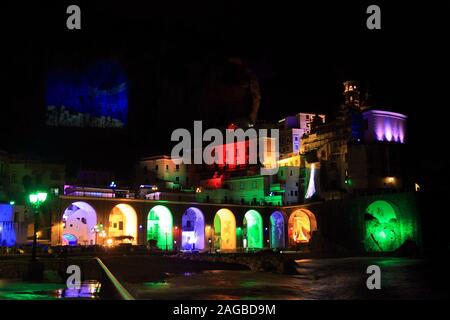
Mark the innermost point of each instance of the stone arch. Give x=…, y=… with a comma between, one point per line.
x=160, y=227
x=381, y=227
x=225, y=230
x=193, y=229
x=79, y=220
x=122, y=226
x=253, y=230
x=302, y=223
x=277, y=230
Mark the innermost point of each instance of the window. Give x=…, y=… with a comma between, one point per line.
x=156, y=167
x=296, y=193
x=292, y=192
x=115, y=226
x=167, y=167
x=177, y=179
x=177, y=167
x=120, y=225
x=290, y=173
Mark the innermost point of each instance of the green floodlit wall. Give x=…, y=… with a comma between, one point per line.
x=389, y=223
x=254, y=229
x=160, y=227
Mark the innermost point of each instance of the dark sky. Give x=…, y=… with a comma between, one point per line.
x=300, y=52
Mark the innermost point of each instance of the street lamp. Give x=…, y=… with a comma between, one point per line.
x=98, y=228
x=36, y=199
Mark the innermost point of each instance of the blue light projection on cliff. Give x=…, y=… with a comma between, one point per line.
x=97, y=97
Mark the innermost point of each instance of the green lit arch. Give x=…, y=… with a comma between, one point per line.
x=253, y=226
x=381, y=227
x=160, y=227
x=225, y=230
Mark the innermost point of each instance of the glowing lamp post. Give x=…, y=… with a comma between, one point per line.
x=98, y=228
x=36, y=199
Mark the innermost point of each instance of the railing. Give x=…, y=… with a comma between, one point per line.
x=108, y=278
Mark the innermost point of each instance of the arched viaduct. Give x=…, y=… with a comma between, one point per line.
x=370, y=223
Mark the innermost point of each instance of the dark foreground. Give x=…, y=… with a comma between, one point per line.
x=169, y=278
x=343, y=278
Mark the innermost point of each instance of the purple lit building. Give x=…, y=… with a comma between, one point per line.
x=384, y=126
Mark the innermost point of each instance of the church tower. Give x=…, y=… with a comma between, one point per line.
x=352, y=94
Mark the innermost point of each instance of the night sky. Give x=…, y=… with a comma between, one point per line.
x=175, y=53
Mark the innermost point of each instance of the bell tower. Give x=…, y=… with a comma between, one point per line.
x=352, y=94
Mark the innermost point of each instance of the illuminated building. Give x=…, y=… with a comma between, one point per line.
x=163, y=172
x=360, y=151
x=292, y=129
x=384, y=126
x=36, y=172
x=255, y=189
x=289, y=177
x=352, y=93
